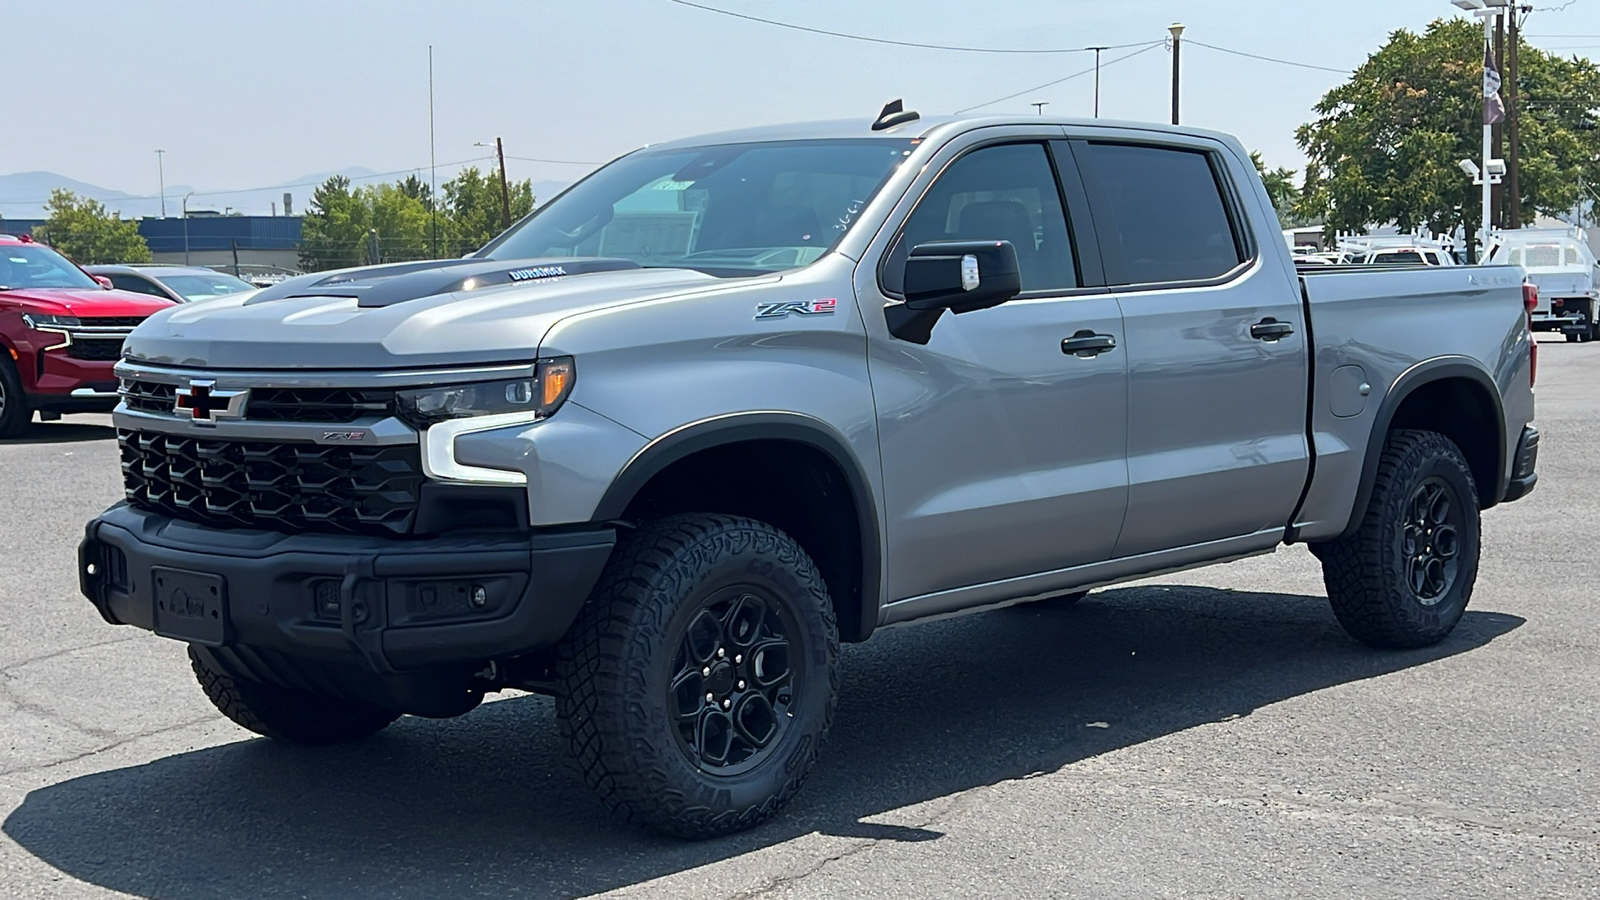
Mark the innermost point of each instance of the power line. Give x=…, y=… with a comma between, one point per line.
x=559, y=162
x=873, y=40
x=1147, y=48
x=1270, y=59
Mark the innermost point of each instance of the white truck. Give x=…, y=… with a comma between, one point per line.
x=1561, y=265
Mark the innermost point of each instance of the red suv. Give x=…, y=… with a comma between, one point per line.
x=61, y=333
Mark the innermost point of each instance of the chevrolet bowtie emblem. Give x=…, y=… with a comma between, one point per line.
x=205, y=403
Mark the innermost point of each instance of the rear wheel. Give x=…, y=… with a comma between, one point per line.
x=1404, y=578
x=15, y=413
x=283, y=714
x=698, y=683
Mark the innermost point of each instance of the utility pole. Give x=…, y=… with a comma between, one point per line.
x=433, y=164
x=1176, y=30
x=505, y=191
x=161, y=173
x=1498, y=191
x=1513, y=100
x=1097, y=80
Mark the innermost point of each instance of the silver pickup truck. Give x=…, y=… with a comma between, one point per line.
x=663, y=445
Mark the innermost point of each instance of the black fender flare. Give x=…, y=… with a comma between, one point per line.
x=1407, y=384
x=688, y=440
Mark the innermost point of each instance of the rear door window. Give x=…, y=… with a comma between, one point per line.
x=137, y=285
x=1160, y=213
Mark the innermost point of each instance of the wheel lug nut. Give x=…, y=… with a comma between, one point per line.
x=727, y=703
x=741, y=685
x=738, y=658
x=721, y=653
x=706, y=672
x=711, y=698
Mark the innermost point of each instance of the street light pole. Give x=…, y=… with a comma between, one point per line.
x=1097, y=80
x=161, y=172
x=1040, y=105
x=186, y=227
x=1489, y=175
x=1176, y=30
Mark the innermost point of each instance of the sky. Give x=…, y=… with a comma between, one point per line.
x=251, y=94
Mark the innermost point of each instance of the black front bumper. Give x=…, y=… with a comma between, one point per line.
x=386, y=605
x=1524, y=472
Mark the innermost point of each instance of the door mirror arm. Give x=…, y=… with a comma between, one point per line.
x=960, y=276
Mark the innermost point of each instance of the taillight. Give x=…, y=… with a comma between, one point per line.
x=1530, y=301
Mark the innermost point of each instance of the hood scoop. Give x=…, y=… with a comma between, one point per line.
x=382, y=286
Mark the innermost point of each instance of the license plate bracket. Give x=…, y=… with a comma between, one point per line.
x=190, y=606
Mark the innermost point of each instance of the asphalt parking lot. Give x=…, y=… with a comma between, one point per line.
x=1208, y=734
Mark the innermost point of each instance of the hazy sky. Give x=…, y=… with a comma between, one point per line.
x=250, y=94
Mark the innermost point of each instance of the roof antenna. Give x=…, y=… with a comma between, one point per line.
x=894, y=113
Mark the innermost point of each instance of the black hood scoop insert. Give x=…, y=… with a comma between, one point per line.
x=381, y=286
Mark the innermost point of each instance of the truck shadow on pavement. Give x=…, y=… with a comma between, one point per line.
x=63, y=433
x=486, y=805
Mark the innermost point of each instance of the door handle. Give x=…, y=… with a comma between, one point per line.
x=1270, y=329
x=1086, y=344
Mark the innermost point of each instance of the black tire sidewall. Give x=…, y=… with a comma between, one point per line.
x=1436, y=457
x=704, y=571
x=18, y=413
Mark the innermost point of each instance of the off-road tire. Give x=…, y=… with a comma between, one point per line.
x=283, y=714
x=617, y=663
x=16, y=414
x=1368, y=573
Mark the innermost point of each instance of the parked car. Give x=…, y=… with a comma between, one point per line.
x=180, y=284
x=1401, y=250
x=61, y=332
x=663, y=445
x=1559, y=262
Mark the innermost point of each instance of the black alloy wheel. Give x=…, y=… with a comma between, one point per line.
x=1430, y=541
x=734, y=680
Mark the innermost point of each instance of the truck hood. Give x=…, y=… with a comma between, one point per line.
x=410, y=315
x=85, y=303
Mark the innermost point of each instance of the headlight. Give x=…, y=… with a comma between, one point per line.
x=41, y=321
x=538, y=396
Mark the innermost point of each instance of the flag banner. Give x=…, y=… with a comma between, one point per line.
x=1494, y=109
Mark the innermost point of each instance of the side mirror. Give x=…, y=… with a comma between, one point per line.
x=102, y=280
x=961, y=276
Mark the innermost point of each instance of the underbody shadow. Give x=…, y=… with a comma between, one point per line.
x=486, y=805
x=62, y=433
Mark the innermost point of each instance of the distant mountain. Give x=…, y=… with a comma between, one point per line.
x=23, y=194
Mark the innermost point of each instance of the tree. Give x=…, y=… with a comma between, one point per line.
x=473, y=210
x=88, y=235
x=1385, y=144
x=1280, y=187
x=336, y=231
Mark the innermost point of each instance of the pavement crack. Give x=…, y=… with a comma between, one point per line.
x=127, y=739
x=63, y=652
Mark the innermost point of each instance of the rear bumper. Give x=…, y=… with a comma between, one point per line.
x=1524, y=474
x=385, y=605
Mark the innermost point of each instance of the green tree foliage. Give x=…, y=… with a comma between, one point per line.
x=1385, y=144
x=1280, y=187
x=475, y=211
x=338, y=228
x=82, y=230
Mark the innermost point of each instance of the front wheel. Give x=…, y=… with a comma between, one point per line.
x=1404, y=578
x=699, y=682
x=15, y=413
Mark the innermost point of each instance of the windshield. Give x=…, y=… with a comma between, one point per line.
x=737, y=209
x=37, y=266
x=205, y=287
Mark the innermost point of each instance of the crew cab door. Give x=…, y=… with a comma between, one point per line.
x=1003, y=454
x=1216, y=343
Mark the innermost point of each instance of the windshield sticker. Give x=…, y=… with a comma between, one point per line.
x=797, y=307
x=534, y=272
x=671, y=185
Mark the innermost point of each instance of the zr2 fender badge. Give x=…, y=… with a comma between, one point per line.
x=797, y=307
